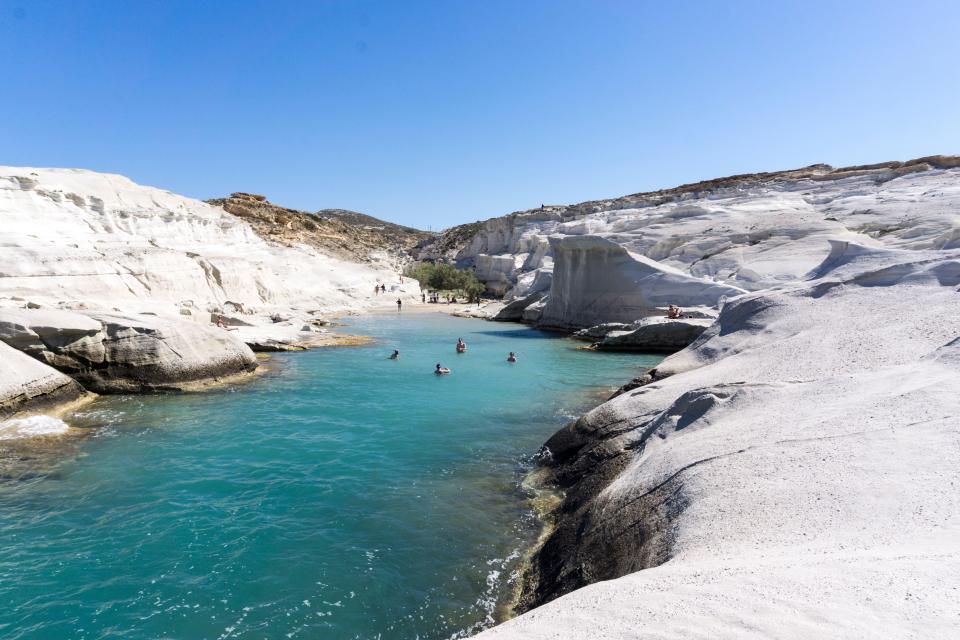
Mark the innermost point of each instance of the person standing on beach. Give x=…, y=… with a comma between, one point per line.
x=399, y=303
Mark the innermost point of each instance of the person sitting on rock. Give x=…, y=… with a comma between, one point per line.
x=674, y=312
x=395, y=355
x=441, y=371
x=512, y=357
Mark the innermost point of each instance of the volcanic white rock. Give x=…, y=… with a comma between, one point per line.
x=751, y=231
x=596, y=280
x=123, y=353
x=80, y=239
x=792, y=474
x=656, y=334
x=27, y=385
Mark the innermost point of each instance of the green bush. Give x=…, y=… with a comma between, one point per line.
x=446, y=277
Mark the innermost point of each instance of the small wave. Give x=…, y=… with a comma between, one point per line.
x=32, y=427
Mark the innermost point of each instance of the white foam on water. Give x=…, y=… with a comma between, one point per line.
x=32, y=427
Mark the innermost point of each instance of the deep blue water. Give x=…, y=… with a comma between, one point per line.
x=342, y=495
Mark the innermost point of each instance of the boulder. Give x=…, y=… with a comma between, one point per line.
x=596, y=280
x=656, y=334
x=513, y=312
x=534, y=312
x=600, y=331
x=114, y=353
x=532, y=282
x=28, y=385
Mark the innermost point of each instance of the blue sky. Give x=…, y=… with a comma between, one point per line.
x=437, y=113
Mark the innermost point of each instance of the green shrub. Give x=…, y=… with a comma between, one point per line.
x=446, y=277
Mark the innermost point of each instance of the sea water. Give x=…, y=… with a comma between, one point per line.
x=340, y=495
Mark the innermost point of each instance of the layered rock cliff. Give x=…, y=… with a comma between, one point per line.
x=596, y=280
x=118, y=285
x=750, y=231
x=74, y=237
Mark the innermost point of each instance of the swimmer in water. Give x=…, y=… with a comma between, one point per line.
x=441, y=371
x=395, y=355
x=512, y=357
x=461, y=345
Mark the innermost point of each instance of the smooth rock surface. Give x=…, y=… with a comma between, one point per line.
x=146, y=353
x=656, y=334
x=596, y=280
x=513, y=311
x=110, y=353
x=27, y=385
x=600, y=331
x=80, y=239
x=791, y=474
x=752, y=231
x=534, y=312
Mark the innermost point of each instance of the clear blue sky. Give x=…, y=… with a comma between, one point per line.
x=437, y=113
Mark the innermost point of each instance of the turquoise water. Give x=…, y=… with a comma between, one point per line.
x=342, y=495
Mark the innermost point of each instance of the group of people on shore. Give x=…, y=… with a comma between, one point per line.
x=461, y=347
x=432, y=297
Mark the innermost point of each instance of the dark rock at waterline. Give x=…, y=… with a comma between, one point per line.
x=28, y=385
x=656, y=334
x=589, y=543
x=513, y=312
x=114, y=353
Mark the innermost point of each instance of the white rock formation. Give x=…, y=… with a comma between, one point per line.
x=27, y=385
x=749, y=231
x=496, y=271
x=656, y=334
x=101, y=245
x=513, y=311
x=80, y=239
x=535, y=281
x=792, y=474
x=110, y=353
x=596, y=280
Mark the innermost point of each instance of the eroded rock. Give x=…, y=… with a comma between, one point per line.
x=656, y=334
x=596, y=280
x=113, y=353
x=27, y=385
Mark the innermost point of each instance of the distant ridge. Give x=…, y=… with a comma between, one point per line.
x=346, y=234
x=363, y=220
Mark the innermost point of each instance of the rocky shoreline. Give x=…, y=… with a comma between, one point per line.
x=803, y=444
x=718, y=471
x=111, y=287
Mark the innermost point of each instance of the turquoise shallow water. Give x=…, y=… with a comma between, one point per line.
x=342, y=495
